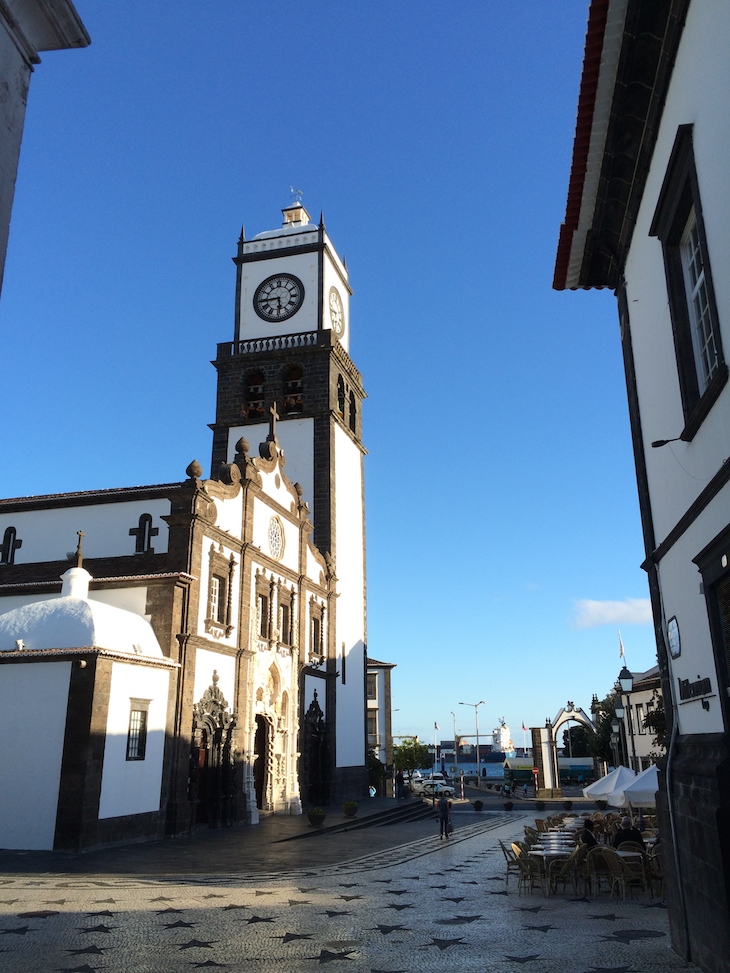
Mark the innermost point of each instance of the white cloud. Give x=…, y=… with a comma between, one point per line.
x=630, y=611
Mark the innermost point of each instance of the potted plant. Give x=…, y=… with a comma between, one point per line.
x=567, y=805
x=316, y=816
x=601, y=804
x=349, y=809
x=478, y=805
x=540, y=805
x=508, y=805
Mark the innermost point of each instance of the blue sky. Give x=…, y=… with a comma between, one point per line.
x=504, y=540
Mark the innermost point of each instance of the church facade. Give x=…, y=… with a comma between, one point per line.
x=252, y=583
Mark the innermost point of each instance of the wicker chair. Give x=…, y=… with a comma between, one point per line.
x=540, y=824
x=530, y=873
x=655, y=871
x=566, y=869
x=511, y=859
x=596, y=871
x=625, y=874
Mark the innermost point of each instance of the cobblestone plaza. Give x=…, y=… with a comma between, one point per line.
x=380, y=900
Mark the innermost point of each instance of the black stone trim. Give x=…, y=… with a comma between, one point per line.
x=82, y=763
x=247, y=258
x=719, y=480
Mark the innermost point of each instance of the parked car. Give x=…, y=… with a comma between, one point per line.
x=430, y=786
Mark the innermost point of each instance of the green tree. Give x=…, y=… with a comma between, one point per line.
x=656, y=722
x=411, y=755
x=575, y=741
x=599, y=744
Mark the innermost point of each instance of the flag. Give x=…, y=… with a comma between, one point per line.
x=436, y=726
x=524, y=728
x=621, y=653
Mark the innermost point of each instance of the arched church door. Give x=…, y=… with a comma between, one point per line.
x=261, y=747
x=213, y=789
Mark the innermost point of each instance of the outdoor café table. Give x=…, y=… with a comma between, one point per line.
x=544, y=857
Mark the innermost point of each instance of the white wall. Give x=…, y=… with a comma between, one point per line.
x=133, y=786
x=30, y=761
x=225, y=665
x=48, y=535
x=296, y=438
x=350, y=569
x=301, y=265
x=679, y=472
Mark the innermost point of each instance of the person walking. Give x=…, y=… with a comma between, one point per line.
x=443, y=809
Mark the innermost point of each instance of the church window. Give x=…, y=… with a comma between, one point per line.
x=372, y=730
x=137, y=733
x=218, y=598
x=285, y=627
x=143, y=534
x=262, y=607
x=293, y=390
x=9, y=546
x=253, y=406
x=353, y=411
x=220, y=588
x=341, y=396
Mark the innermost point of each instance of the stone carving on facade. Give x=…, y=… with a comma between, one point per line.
x=212, y=777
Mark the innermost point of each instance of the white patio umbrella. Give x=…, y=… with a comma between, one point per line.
x=617, y=780
x=641, y=792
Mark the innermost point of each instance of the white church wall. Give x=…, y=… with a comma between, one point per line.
x=296, y=438
x=225, y=665
x=332, y=279
x=49, y=535
x=230, y=515
x=29, y=800
x=350, y=569
x=133, y=786
x=262, y=515
x=303, y=266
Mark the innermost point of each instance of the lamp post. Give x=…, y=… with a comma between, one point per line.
x=626, y=682
x=476, y=720
x=456, y=749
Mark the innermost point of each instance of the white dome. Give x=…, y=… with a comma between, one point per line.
x=75, y=621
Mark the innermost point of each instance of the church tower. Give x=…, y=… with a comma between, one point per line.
x=290, y=350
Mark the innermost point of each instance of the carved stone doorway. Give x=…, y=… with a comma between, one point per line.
x=261, y=761
x=213, y=788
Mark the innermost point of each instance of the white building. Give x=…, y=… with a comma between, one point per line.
x=648, y=215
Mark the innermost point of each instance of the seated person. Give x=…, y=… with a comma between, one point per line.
x=627, y=832
x=587, y=836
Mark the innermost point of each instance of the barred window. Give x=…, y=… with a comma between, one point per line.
x=137, y=733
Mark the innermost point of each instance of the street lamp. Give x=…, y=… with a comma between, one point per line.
x=476, y=720
x=626, y=683
x=456, y=748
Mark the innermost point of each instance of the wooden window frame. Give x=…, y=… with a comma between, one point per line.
x=679, y=203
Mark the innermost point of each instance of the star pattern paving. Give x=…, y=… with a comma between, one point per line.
x=307, y=931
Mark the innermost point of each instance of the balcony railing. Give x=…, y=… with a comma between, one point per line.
x=280, y=342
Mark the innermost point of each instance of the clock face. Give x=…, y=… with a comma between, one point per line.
x=276, y=538
x=337, y=312
x=279, y=297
